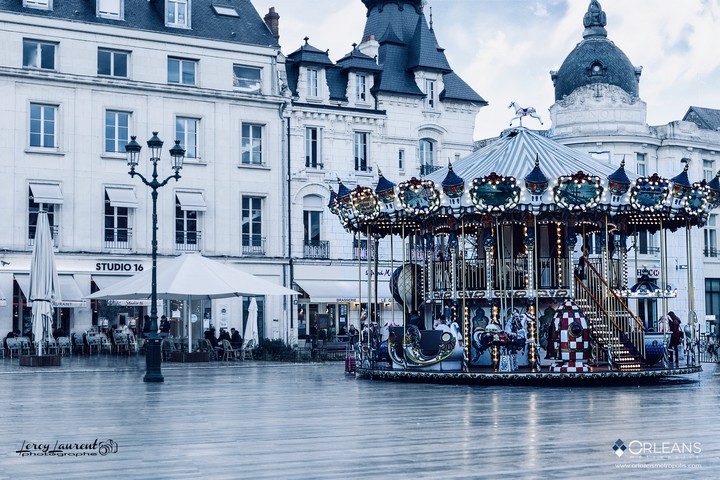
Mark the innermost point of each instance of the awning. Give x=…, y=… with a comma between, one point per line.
x=46, y=193
x=69, y=290
x=105, y=281
x=339, y=291
x=191, y=201
x=121, y=197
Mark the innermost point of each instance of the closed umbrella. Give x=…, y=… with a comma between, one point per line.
x=251, y=329
x=44, y=284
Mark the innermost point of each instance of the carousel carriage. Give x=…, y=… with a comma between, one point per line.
x=498, y=232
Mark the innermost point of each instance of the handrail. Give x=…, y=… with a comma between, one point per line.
x=598, y=304
x=638, y=322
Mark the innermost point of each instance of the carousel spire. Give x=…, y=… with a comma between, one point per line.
x=536, y=181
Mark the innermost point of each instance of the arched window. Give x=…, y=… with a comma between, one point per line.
x=426, y=153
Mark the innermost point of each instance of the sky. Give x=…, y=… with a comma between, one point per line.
x=505, y=49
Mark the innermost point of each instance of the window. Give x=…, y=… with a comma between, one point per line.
x=116, y=131
x=426, y=154
x=186, y=130
x=311, y=224
x=360, y=88
x=181, y=71
x=360, y=149
x=112, y=63
x=110, y=9
x=38, y=54
x=641, y=165
x=710, y=234
x=251, y=144
x=312, y=82
x=41, y=4
x=252, y=241
x=647, y=244
x=117, y=225
x=312, y=147
x=430, y=93
x=712, y=300
x=42, y=196
x=186, y=227
x=176, y=13
x=246, y=79
x=43, y=125
x=708, y=170
x=401, y=159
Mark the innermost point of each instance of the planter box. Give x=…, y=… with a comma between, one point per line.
x=40, y=361
x=190, y=357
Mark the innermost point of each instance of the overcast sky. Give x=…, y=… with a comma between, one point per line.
x=505, y=49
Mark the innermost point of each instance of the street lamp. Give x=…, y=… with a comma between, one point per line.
x=153, y=351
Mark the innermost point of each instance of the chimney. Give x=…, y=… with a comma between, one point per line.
x=272, y=20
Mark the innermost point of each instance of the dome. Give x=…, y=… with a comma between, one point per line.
x=596, y=60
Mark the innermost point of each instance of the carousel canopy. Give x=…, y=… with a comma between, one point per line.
x=525, y=173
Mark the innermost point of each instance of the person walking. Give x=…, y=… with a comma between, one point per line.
x=676, y=336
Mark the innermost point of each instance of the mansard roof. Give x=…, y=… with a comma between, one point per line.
x=356, y=60
x=247, y=28
x=307, y=54
x=425, y=54
x=457, y=89
x=704, y=118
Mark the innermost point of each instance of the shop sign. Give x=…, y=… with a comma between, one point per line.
x=650, y=272
x=118, y=267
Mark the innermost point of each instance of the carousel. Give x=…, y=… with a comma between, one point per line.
x=511, y=265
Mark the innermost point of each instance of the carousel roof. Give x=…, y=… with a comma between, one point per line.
x=515, y=153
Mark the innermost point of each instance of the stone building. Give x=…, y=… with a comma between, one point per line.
x=392, y=106
x=598, y=109
x=79, y=78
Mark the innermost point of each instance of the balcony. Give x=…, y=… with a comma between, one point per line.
x=427, y=169
x=317, y=249
x=54, y=229
x=253, y=246
x=187, y=240
x=711, y=252
x=118, y=238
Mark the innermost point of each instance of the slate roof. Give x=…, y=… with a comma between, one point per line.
x=358, y=61
x=424, y=50
x=705, y=118
x=596, y=60
x=457, y=89
x=307, y=54
x=248, y=27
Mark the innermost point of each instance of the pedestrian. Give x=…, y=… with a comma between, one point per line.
x=164, y=326
x=146, y=325
x=581, y=270
x=676, y=336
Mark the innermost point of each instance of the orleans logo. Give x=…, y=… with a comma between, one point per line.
x=619, y=447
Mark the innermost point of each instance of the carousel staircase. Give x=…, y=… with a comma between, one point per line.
x=614, y=328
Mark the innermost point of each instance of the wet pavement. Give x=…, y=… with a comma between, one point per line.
x=93, y=417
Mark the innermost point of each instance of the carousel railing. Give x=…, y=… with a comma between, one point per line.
x=468, y=275
x=552, y=273
x=611, y=318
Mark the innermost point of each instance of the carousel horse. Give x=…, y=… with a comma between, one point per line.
x=493, y=335
x=521, y=112
x=515, y=328
x=415, y=356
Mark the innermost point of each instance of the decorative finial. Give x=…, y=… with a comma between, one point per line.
x=306, y=39
x=431, y=20
x=380, y=173
x=537, y=160
x=595, y=21
x=622, y=163
x=354, y=45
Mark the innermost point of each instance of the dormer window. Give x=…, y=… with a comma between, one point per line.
x=177, y=13
x=110, y=9
x=596, y=69
x=430, y=94
x=312, y=83
x=360, y=88
x=41, y=4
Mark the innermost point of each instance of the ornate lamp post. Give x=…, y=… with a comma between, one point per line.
x=153, y=341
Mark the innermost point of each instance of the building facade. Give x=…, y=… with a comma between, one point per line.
x=598, y=109
x=80, y=78
x=392, y=106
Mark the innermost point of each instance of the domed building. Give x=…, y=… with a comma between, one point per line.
x=598, y=110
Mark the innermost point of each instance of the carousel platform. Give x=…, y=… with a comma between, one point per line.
x=523, y=376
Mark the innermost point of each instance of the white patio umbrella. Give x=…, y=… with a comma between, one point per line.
x=193, y=277
x=44, y=283
x=251, y=329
